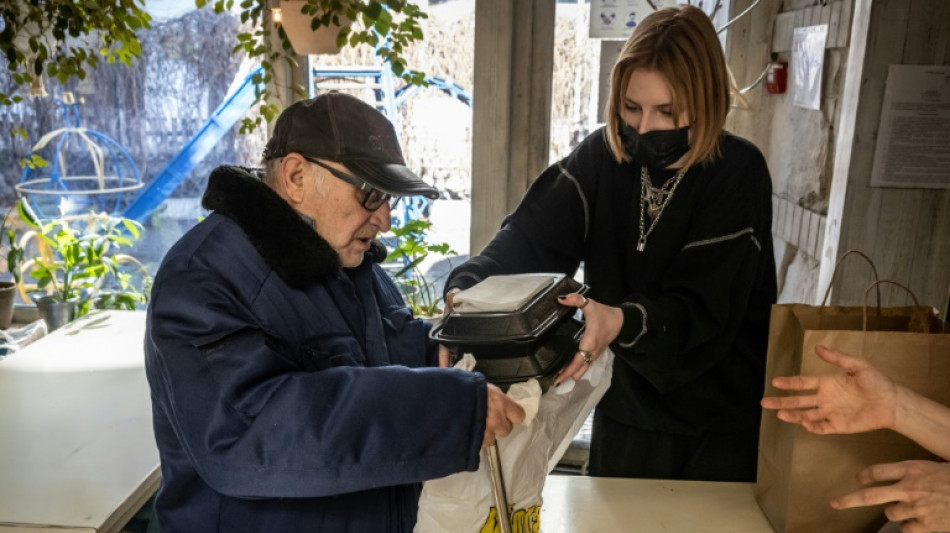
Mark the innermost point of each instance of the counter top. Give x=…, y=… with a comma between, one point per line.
x=77, y=452
x=575, y=504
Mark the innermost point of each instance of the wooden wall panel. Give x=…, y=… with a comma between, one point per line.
x=862, y=214
x=837, y=15
x=844, y=31
x=905, y=231
x=511, y=114
x=747, y=52
x=782, y=36
x=798, y=226
x=845, y=141
x=834, y=22
x=490, y=118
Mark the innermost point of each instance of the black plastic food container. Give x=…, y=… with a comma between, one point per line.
x=533, y=341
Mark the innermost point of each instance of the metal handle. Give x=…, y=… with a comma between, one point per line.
x=498, y=489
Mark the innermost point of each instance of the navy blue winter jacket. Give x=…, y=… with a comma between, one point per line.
x=289, y=394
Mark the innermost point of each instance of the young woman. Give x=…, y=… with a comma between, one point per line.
x=670, y=216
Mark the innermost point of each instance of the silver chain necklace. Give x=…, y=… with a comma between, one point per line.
x=653, y=200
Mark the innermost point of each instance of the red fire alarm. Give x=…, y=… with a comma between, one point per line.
x=777, y=77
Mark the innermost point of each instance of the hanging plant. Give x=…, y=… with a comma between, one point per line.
x=63, y=39
x=387, y=25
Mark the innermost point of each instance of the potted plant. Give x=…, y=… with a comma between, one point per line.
x=422, y=294
x=297, y=23
x=387, y=25
x=79, y=266
x=14, y=257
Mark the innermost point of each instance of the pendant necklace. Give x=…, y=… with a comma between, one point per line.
x=653, y=200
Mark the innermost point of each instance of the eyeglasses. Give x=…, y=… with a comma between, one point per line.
x=373, y=198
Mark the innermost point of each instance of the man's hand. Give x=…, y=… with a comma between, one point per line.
x=503, y=414
x=922, y=493
x=860, y=398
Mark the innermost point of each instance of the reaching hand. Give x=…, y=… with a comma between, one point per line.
x=450, y=301
x=503, y=414
x=448, y=355
x=921, y=490
x=858, y=399
x=602, y=325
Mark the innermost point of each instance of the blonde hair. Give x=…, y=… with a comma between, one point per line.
x=681, y=44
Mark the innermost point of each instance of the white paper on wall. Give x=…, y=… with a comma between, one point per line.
x=808, y=59
x=616, y=19
x=913, y=141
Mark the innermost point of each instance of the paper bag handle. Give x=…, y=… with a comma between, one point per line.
x=877, y=284
x=834, y=276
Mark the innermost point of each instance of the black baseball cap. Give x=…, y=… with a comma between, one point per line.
x=342, y=128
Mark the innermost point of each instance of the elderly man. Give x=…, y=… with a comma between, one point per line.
x=291, y=387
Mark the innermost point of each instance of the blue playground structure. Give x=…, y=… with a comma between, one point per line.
x=87, y=170
x=175, y=171
x=240, y=100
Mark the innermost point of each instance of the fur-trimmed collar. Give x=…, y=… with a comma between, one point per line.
x=289, y=245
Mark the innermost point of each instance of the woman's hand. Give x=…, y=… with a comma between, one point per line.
x=448, y=355
x=450, y=301
x=603, y=324
x=860, y=398
x=921, y=490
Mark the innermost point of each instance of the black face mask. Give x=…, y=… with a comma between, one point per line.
x=655, y=149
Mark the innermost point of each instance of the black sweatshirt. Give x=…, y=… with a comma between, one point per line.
x=690, y=357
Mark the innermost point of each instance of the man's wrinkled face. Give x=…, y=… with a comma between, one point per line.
x=337, y=209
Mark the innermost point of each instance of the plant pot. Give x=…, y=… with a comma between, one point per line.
x=304, y=39
x=7, y=299
x=56, y=313
x=25, y=314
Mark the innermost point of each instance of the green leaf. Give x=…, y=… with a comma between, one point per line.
x=384, y=23
x=132, y=226
x=442, y=248
x=397, y=68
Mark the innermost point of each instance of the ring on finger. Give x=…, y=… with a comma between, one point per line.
x=584, y=303
x=588, y=357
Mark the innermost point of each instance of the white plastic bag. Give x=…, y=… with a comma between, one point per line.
x=464, y=502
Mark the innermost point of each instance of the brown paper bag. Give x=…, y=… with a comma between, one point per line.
x=799, y=472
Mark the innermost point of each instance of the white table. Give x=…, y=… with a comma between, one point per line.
x=575, y=504
x=77, y=452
